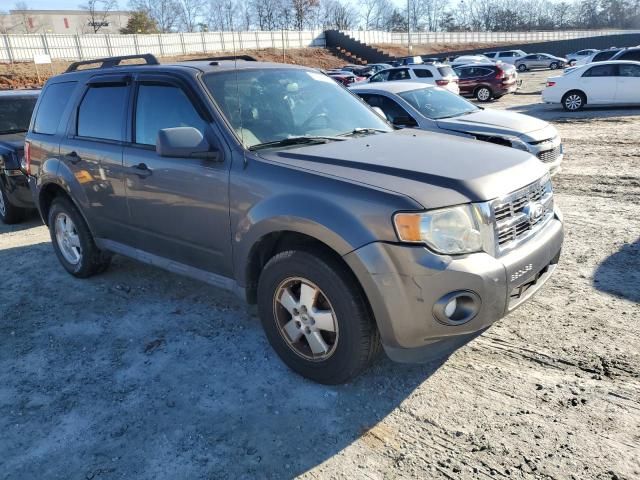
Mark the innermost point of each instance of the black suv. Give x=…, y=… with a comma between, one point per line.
x=16, y=107
x=275, y=182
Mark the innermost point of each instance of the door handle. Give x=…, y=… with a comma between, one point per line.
x=142, y=170
x=73, y=157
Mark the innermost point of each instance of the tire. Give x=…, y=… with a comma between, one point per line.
x=9, y=213
x=76, y=238
x=483, y=94
x=572, y=63
x=349, y=339
x=553, y=66
x=522, y=67
x=574, y=101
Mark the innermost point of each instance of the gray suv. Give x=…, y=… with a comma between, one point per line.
x=277, y=183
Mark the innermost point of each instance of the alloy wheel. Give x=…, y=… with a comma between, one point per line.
x=573, y=102
x=305, y=319
x=483, y=94
x=3, y=206
x=67, y=239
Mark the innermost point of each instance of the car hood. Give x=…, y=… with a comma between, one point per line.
x=434, y=169
x=14, y=141
x=498, y=122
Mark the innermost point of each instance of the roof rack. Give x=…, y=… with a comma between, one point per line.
x=113, y=61
x=245, y=58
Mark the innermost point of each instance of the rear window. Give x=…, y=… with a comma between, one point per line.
x=54, y=100
x=446, y=71
x=101, y=113
x=15, y=113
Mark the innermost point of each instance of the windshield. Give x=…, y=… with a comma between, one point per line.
x=437, y=103
x=270, y=105
x=15, y=113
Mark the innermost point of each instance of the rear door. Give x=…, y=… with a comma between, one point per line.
x=179, y=206
x=92, y=151
x=599, y=83
x=628, y=90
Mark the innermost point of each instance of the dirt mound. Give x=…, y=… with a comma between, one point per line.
x=433, y=48
x=24, y=75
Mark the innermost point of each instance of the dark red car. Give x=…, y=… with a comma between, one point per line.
x=345, y=78
x=486, y=81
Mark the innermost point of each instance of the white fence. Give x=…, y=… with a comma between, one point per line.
x=418, y=38
x=20, y=48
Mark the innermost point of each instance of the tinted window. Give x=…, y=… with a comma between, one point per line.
x=601, y=71
x=15, y=113
x=102, y=112
x=602, y=56
x=633, y=55
x=507, y=54
x=446, y=71
x=438, y=103
x=401, y=74
x=390, y=108
x=175, y=110
x=381, y=77
x=54, y=100
x=422, y=73
x=531, y=57
x=463, y=72
x=629, y=70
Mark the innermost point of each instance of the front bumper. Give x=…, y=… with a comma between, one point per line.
x=17, y=188
x=403, y=283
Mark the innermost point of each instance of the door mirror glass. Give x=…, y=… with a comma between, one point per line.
x=184, y=142
x=379, y=111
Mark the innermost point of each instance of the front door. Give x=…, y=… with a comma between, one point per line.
x=628, y=83
x=179, y=206
x=92, y=151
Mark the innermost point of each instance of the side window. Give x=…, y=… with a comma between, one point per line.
x=531, y=57
x=174, y=110
x=102, y=112
x=390, y=108
x=54, y=100
x=633, y=55
x=380, y=77
x=462, y=72
x=629, y=70
x=422, y=73
x=400, y=74
x=506, y=54
x=601, y=71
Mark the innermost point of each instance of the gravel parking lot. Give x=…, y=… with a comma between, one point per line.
x=138, y=373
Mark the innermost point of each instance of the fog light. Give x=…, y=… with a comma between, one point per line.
x=456, y=308
x=450, y=309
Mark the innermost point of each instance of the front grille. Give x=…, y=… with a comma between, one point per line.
x=549, y=156
x=521, y=213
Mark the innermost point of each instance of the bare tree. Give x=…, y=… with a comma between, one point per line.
x=98, y=12
x=302, y=10
x=191, y=13
x=166, y=13
x=338, y=15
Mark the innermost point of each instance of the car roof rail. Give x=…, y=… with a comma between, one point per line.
x=244, y=58
x=113, y=61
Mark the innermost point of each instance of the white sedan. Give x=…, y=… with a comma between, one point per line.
x=603, y=83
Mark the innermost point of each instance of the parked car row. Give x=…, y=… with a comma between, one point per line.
x=275, y=182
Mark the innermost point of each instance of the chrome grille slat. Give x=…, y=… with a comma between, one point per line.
x=549, y=156
x=511, y=223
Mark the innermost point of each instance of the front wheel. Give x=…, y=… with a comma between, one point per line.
x=574, y=101
x=553, y=66
x=522, y=67
x=315, y=316
x=483, y=94
x=9, y=214
x=72, y=241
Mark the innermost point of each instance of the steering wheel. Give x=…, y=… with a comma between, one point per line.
x=315, y=117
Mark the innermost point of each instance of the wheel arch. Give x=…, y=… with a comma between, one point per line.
x=575, y=90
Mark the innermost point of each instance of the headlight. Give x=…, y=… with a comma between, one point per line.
x=450, y=231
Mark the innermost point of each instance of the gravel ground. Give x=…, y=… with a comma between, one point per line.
x=138, y=373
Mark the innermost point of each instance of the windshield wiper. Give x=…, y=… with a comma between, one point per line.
x=468, y=112
x=363, y=131
x=302, y=140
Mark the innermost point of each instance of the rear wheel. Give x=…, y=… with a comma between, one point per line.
x=574, y=101
x=315, y=316
x=483, y=94
x=522, y=67
x=72, y=241
x=9, y=213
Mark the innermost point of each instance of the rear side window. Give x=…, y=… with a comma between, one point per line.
x=422, y=73
x=15, y=113
x=629, y=70
x=54, y=100
x=446, y=71
x=175, y=110
x=507, y=54
x=601, y=71
x=633, y=55
x=102, y=112
x=602, y=56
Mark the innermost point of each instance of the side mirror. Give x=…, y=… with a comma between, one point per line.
x=380, y=112
x=404, y=121
x=184, y=142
